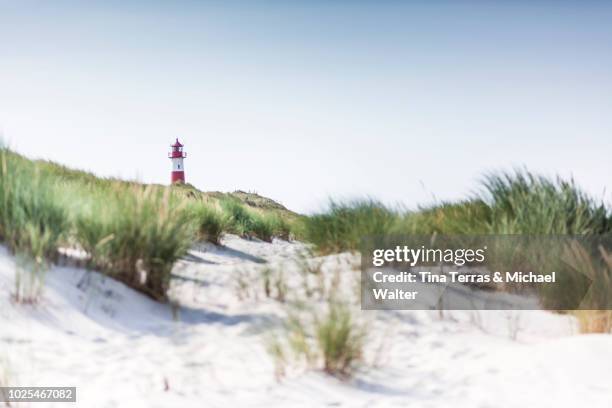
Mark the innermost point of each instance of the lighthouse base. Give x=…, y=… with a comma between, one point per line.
x=178, y=177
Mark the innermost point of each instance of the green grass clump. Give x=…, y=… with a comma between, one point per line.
x=344, y=225
x=524, y=203
x=330, y=339
x=240, y=220
x=32, y=216
x=233, y=216
x=249, y=223
x=340, y=340
x=32, y=222
x=282, y=228
x=514, y=203
x=262, y=227
x=137, y=236
x=464, y=217
x=211, y=222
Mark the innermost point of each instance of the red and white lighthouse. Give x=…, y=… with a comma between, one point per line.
x=177, y=155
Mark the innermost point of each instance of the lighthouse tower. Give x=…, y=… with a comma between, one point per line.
x=177, y=155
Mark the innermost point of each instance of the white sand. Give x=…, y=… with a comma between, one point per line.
x=123, y=350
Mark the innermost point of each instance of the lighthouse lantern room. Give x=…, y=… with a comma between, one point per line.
x=177, y=155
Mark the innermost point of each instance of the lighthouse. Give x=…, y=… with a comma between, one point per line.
x=177, y=155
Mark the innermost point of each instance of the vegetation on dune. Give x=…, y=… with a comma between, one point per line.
x=130, y=231
x=136, y=232
x=257, y=201
x=32, y=215
x=211, y=222
x=340, y=340
x=594, y=321
x=241, y=220
x=136, y=236
x=465, y=217
x=32, y=222
x=510, y=203
x=251, y=223
x=524, y=203
x=344, y=225
x=591, y=269
x=324, y=329
x=518, y=203
x=330, y=339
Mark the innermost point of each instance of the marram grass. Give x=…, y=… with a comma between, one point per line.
x=130, y=231
x=344, y=225
x=249, y=223
x=137, y=236
x=524, y=203
x=211, y=222
x=509, y=203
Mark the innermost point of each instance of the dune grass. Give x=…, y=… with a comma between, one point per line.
x=344, y=225
x=329, y=338
x=250, y=223
x=324, y=328
x=525, y=203
x=592, y=269
x=594, y=321
x=136, y=236
x=33, y=221
x=130, y=231
x=340, y=340
x=32, y=215
x=518, y=202
x=464, y=217
x=211, y=222
x=136, y=232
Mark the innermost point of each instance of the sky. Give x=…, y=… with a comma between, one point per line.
x=407, y=102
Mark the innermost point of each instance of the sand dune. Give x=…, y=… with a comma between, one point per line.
x=121, y=349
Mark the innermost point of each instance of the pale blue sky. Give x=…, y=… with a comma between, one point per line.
x=300, y=101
